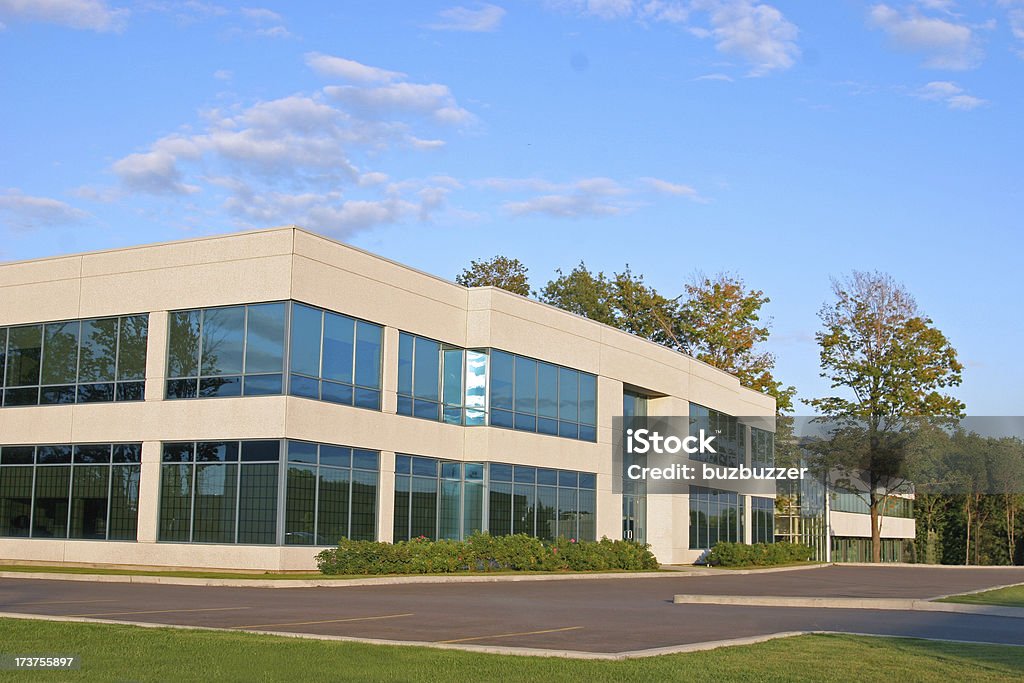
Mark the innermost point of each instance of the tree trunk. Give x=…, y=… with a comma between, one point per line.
x=1011, y=539
x=967, y=514
x=876, y=528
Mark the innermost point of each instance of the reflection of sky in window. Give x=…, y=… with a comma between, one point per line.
x=212, y=481
x=476, y=379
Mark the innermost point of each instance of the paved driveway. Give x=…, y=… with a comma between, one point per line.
x=606, y=615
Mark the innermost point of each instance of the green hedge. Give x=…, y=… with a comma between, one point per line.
x=758, y=554
x=482, y=552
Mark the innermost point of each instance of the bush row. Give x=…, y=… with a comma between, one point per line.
x=482, y=552
x=757, y=554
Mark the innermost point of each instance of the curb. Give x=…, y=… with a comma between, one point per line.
x=902, y=604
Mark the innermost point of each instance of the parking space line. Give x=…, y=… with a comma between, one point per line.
x=329, y=621
x=158, y=611
x=509, y=635
x=61, y=602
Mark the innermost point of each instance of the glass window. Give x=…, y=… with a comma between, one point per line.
x=183, y=344
x=24, y=352
x=427, y=370
x=98, y=355
x=306, y=334
x=131, y=351
x=264, y=341
x=501, y=379
x=60, y=355
x=223, y=340
x=339, y=347
x=368, y=354
x=526, y=385
x=547, y=393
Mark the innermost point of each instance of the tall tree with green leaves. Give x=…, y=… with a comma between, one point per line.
x=503, y=272
x=583, y=293
x=893, y=365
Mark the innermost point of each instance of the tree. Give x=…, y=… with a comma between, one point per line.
x=583, y=293
x=503, y=272
x=719, y=323
x=893, y=363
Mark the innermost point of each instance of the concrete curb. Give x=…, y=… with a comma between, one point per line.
x=718, y=571
x=503, y=650
x=851, y=603
x=335, y=583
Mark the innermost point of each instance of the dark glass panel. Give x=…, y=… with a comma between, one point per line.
x=405, y=349
x=261, y=451
x=127, y=453
x=587, y=515
x=568, y=395
x=588, y=481
x=305, y=386
x=423, y=511
x=424, y=467
x=337, y=393
x=89, y=494
x=567, y=478
x=15, y=497
x=92, y=454
x=404, y=405
x=96, y=393
x=452, y=378
x=262, y=385
x=183, y=344
x=500, y=472
x=257, y=503
x=302, y=451
x=332, y=524
x=472, y=508
x=501, y=380
x=547, y=477
x=130, y=391
x=131, y=351
x=220, y=386
x=364, y=506
x=500, y=513
x=547, y=498
x=335, y=456
x=217, y=451
x=17, y=455
x=3, y=359
x=368, y=353
x=402, y=488
x=588, y=399
x=60, y=353
x=223, y=341
x=427, y=370
x=501, y=418
x=50, y=518
x=51, y=455
x=24, y=351
x=568, y=430
x=547, y=390
x=264, y=339
x=526, y=423
x=567, y=513
x=524, y=509
x=474, y=471
x=175, y=500
x=97, y=359
x=300, y=505
x=28, y=396
x=215, y=496
x=451, y=470
x=339, y=346
x=367, y=398
x=57, y=395
x=124, y=502
x=525, y=475
x=449, y=516
x=365, y=460
x=526, y=385
x=547, y=425
x=177, y=452
x=403, y=463
x=427, y=410
x=588, y=433
x=182, y=388
x=452, y=415
x=305, y=349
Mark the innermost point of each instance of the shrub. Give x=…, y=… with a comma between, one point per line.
x=758, y=554
x=482, y=552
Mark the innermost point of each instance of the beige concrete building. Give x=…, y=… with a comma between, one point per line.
x=241, y=401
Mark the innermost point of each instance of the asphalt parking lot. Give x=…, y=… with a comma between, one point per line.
x=595, y=615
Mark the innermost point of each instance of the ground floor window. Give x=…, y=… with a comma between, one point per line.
x=86, y=491
x=245, y=492
x=714, y=516
x=847, y=549
x=445, y=499
x=762, y=512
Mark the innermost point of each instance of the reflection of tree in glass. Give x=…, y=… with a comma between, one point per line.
x=98, y=350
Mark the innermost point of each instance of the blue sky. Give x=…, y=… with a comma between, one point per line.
x=786, y=143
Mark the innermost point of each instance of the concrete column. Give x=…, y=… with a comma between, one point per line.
x=149, y=492
x=389, y=390
x=386, y=498
x=748, y=521
x=156, y=355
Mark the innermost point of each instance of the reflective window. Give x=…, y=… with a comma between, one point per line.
x=762, y=448
x=437, y=499
x=729, y=432
x=714, y=516
x=80, y=492
x=762, y=527
x=440, y=382
x=542, y=502
x=75, y=361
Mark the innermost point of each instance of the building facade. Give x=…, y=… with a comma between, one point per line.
x=243, y=401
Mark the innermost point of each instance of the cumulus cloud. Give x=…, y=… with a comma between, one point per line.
x=588, y=197
x=350, y=70
x=944, y=43
x=426, y=98
x=26, y=212
x=89, y=15
x=483, y=19
x=952, y=95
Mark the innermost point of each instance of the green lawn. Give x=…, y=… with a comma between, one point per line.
x=274, y=576
x=113, y=653
x=1010, y=597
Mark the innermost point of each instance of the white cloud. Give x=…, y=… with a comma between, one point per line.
x=339, y=67
x=667, y=187
x=945, y=44
x=426, y=98
x=589, y=197
x=951, y=94
x=758, y=33
x=91, y=15
x=714, y=77
x=223, y=74
x=260, y=14
x=483, y=19
x=26, y=212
